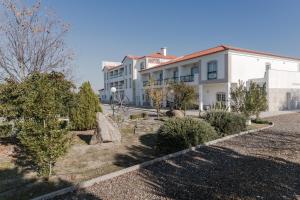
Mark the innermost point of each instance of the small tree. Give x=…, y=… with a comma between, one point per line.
x=256, y=100
x=238, y=97
x=184, y=95
x=249, y=102
x=45, y=98
x=86, y=105
x=156, y=95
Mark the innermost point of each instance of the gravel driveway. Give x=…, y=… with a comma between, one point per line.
x=262, y=165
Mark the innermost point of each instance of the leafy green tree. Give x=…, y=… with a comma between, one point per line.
x=86, y=105
x=44, y=142
x=156, y=95
x=256, y=100
x=184, y=95
x=238, y=97
x=251, y=101
x=36, y=106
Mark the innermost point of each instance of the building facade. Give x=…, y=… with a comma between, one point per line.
x=213, y=72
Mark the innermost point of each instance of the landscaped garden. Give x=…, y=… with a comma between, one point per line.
x=52, y=133
x=46, y=145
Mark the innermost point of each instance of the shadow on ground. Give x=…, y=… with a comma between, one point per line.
x=17, y=181
x=86, y=138
x=221, y=173
x=138, y=153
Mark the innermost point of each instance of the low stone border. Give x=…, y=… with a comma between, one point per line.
x=93, y=181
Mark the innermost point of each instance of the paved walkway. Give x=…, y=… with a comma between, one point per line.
x=107, y=109
x=262, y=165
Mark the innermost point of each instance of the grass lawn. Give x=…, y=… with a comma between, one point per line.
x=83, y=161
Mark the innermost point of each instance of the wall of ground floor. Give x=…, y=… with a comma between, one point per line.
x=283, y=99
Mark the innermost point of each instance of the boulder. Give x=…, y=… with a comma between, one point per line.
x=106, y=130
x=95, y=139
x=175, y=113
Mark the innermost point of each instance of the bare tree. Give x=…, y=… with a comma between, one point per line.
x=156, y=95
x=32, y=41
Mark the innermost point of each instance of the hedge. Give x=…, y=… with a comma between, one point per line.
x=177, y=134
x=226, y=123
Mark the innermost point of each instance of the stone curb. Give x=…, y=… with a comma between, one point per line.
x=93, y=181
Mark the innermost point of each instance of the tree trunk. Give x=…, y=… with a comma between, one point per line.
x=50, y=169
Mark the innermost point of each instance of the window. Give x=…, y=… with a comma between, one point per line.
x=161, y=76
x=175, y=73
x=125, y=69
x=221, y=97
x=129, y=82
x=142, y=65
x=194, y=70
x=129, y=69
x=126, y=83
x=212, y=68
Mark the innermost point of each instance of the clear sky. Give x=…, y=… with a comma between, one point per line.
x=111, y=29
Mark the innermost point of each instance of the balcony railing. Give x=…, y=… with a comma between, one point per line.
x=188, y=78
x=156, y=82
x=116, y=75
x=166, y=81
x=171, y=80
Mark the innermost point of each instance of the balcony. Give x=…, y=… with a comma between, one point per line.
x=156, y=82
x=171, y=80
x=166, y=81
x=188, y=78
x=116, y=75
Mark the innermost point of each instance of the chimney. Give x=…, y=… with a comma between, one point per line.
x=163, y=51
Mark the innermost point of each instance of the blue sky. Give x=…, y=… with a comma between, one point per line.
x=111, y=29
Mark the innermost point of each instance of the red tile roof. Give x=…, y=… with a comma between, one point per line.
x=212, y=51
x=159, y=55
x=109, y=67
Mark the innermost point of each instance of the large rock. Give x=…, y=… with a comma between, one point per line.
x=175, y=113
x=106, y=130
x=95, y=139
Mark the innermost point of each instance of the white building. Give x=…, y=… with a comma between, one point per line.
x=213, y=72
x=125, y=75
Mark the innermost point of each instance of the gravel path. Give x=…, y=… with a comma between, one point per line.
x=262, y=165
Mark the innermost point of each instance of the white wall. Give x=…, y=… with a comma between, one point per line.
x=283, y=79
x=249, y=66
x=210, y=92
x=220, y=58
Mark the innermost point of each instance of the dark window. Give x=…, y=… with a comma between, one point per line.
x=175, y=73
x=142, y=65
x=194, y=70
x=212, y=68
x=221, y=97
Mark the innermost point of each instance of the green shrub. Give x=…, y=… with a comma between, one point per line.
x=83, y=112
x=177, y=134
x=142, y=115
x=5, y=130
x=226, y=123
x=261, y=121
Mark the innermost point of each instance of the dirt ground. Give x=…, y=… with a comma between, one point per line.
x=260, y=165
x=82, y=161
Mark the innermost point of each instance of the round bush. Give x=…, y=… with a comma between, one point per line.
x=226, y=123
x=178, y=134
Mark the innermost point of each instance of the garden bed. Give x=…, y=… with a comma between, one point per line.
x=83, y=161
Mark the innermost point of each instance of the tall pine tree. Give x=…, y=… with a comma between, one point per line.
x=83, y=114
